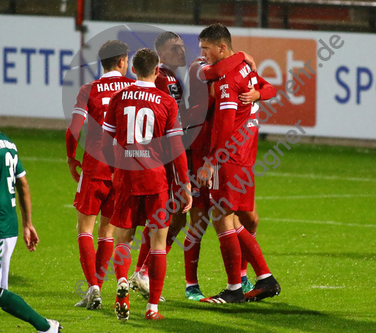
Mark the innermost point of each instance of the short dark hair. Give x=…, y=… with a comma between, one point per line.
x=111, y=52
x=164, y=37
x=144, y=62
x=216, y=33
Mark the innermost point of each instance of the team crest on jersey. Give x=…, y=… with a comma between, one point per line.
x=174, y=90
x=224, y=93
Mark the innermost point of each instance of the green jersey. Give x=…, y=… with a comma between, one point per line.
x=10, y=169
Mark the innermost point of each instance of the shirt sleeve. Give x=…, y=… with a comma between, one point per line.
x=109, y=123
x=174, y=132
x=173, y=126
x=208, y=72
x=20, y=171
x=267, y=91
x=79, y=114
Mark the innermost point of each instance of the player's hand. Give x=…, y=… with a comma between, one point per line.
x=30, y=237
x=250, y=61
x=250, y=96
x=187, y=197
x=205, y=175
x=73, y=164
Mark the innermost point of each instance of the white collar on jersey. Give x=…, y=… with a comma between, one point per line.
x=112, y=73
x=145, y=84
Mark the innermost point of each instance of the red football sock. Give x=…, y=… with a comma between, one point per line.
x=122, y=260
x=192, y=246
x=144, y=249
x=87, y=257
x=169, y=242
x=157, y=274
x=231, y=254
x=252, y=251
x=103, y=256
x=243, y=266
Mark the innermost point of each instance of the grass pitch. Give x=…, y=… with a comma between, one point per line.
x=317, y=231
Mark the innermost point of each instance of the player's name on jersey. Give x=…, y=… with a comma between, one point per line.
x=142, y=96
x=7, y=144
x=137, y=153
x=113, y=86
x=245, y=71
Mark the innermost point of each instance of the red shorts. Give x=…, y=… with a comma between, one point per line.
x=201, y=198
x=133, y=210
x=229, y=191
x=94, y=195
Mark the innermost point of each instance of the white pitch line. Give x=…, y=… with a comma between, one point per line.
x=69, y=206
x=320, y=222
x=319, y=196
x=41, y=159
x=328, y=287
x=277, y=174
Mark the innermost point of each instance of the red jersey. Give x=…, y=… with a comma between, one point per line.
x=92, y=100
x=201, y=103
x=231, y=115
x=167, y=82
x=141, y=117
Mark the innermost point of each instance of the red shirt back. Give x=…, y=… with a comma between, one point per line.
x=142, y=118
x=92, y=102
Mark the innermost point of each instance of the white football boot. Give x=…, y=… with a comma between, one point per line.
x=54, y=327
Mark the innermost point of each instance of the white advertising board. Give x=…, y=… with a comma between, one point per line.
x=332, y=96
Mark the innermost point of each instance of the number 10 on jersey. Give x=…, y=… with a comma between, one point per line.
x=140, y=127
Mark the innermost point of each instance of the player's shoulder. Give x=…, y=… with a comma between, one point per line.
x=235, y=76
x=86, y=88
x=166, y=98
x=166, y=73
x=6, y=142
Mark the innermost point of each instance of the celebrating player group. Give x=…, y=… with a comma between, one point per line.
x=151, y=155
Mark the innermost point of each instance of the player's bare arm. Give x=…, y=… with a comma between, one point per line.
x=30, y=235
x=73, y=164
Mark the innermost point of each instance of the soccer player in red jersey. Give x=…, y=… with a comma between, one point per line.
x=199, y=82
x=144, y=120
x=94, y=191
x=229, y=165
x=171, y=50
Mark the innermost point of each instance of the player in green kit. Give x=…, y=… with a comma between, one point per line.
x=12, y=176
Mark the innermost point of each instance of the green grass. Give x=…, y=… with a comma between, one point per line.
x=317, y=231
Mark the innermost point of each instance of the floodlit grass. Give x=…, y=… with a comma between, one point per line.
x=317, y=231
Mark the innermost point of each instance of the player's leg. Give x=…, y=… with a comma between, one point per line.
x=85, y=228
x=223, y=221
x=105, y=234
x=88, y=201
x=159, y=223
x=157, y=272
x=122, y=262
x=17, y=307
x=192, y=245
x=251, y=227
x=7, y=246
x=104, y=250
x=266, y=285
